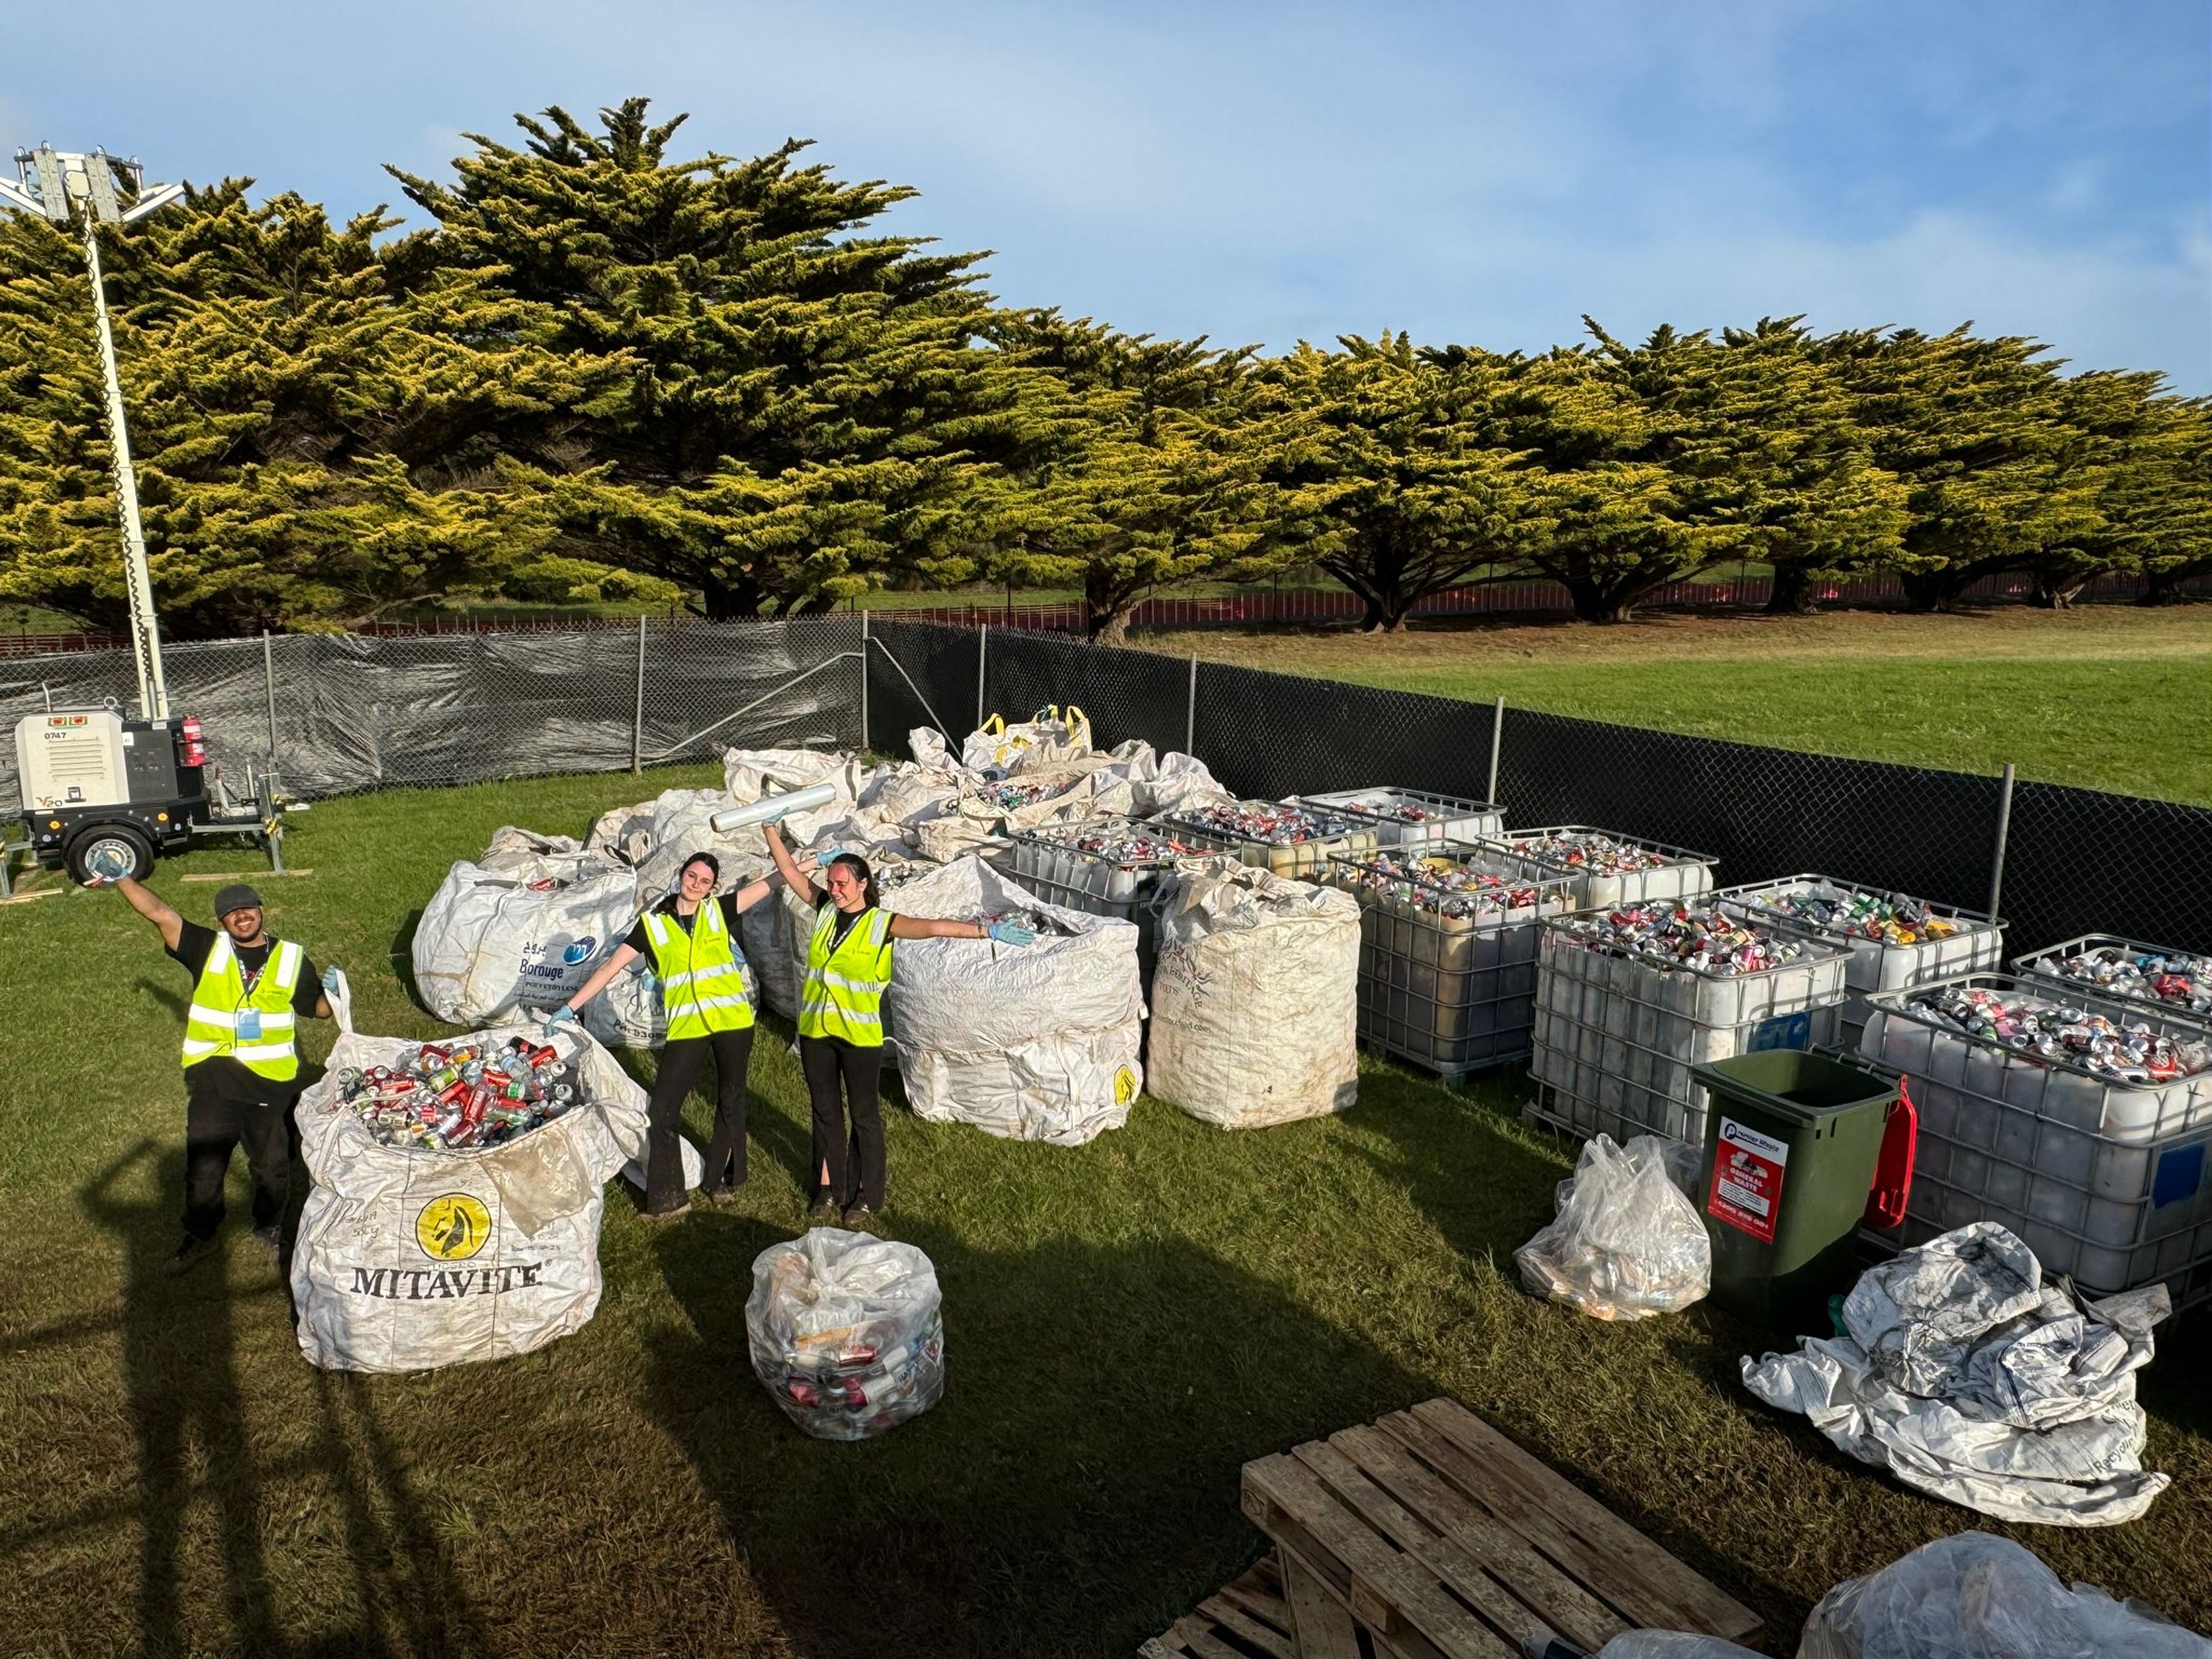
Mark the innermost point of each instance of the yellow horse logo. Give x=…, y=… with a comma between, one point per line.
x=452, y=1228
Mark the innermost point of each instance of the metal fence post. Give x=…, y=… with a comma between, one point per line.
x=863, y=681
x=269, y=685
x=1190, y=712
x=2004, y=831
x=1497, y=744
x=983, y=639
x=637, y=716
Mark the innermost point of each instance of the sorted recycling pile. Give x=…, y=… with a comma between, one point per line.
x=1706, y=940
x=1594, y=851
x=847, y=1332
x=1888, y=918
x=460, y=1096
x=1445, y=887
x=1267, y=822
x=2180, y=982
x=2049, y=1031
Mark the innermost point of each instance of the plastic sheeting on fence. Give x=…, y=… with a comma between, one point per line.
x=1975, y=1596
x=1628, y=1242
x=409, y=1259
x=1255, y=1000
x=1032, y=1042
x=1972, y=1378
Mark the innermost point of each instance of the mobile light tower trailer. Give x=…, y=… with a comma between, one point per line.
x=102, y=793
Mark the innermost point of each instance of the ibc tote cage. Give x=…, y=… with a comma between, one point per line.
x=1446, y=973
x=1674, y=874
x=2105, y=1178
x=1412, y=817
x=1307, y=860
x=2197, y=969
x=1050, y=860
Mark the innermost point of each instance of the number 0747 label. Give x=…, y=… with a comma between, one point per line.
x=1747, y=1171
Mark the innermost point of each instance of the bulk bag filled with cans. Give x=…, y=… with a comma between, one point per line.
x=1033, y=1042
x=847, y=1332
x=420, y=1247
x=1255, y=999
x=524, y=935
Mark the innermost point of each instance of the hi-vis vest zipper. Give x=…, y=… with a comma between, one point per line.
x=702, y=988
x=843, y=996
x=220, y=998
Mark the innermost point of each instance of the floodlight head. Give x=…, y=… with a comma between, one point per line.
x=57, y=182
x=152, y=201
x=14, y=196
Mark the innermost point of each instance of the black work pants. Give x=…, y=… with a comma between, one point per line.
x=841, y=1077
x=725, y=1153
x=213, y=1126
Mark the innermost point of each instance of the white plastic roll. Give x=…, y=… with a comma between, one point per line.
x=768, y=808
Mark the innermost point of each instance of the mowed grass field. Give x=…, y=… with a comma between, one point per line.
x=1127, y=1324
x=2104, y=697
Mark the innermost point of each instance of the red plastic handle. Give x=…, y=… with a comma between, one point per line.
x=1892, y=1175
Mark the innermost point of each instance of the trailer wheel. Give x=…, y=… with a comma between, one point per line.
x=104, y=849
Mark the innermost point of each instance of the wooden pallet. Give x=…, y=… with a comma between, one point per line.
x=1445, y=1540
x=1276, y=1611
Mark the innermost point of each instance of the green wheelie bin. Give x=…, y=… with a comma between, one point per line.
x=1792, y=1140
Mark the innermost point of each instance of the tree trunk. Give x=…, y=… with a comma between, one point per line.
x=726, y=601
x=2056, y=593
x=1599, y=602
x=1791, y=594
x=1930, y=590
x=1110, y=627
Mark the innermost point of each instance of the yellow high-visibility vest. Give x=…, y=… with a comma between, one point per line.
x=701, y=987
x=843, y=996
x=220, y=998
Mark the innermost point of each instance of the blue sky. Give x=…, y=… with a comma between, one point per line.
x=1267, y=173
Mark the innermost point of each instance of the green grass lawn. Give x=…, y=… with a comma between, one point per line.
x=2106, y=697
x=1127, y=1323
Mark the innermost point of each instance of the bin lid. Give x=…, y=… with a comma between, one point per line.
x=1795, y=1085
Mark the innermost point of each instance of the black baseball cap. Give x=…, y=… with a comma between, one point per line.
x=236, y=896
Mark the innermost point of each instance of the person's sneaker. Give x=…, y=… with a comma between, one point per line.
x=270, y=1239
x=189, y=1255
x=859, y=1215
x=722, y=1195
x=822, y=1214
x=684, y=1208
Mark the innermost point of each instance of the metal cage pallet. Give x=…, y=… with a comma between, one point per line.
x=1976, y=946
x=2031, y=966
x=2104, y=1178
x=1616, y=1035
x=1454, y=992
x=1305, y=859
x=1413, y=817
x=1677, y=872
x=1049, y=862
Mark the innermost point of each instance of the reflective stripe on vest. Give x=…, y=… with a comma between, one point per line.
x=219, y=997
x=843, y=995
x=701, y=987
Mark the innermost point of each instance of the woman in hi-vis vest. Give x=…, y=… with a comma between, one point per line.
x=840, y=1025
x=691, y=939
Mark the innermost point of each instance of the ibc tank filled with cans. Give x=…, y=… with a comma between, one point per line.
x=1629, y=999
x=1412, y=817
x=2079, y=1121
x=1291, y=841
x=1608, y=868
x=1895, y=941
x=1104, y=867
x=1447, y=953
x=847, y=1332
x=2173, y=984
x=457, y=1097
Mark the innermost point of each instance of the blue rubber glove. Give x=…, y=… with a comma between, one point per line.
x=564, y=1015
x=331, y=981
x=1007, y=933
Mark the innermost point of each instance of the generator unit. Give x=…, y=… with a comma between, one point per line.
x=103, y=793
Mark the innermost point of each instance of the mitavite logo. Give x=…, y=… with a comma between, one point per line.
x=580, y=952
x=452, y=1228
x=1125, y=1086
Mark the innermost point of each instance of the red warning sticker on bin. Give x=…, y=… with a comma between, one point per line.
x=1747, y=1169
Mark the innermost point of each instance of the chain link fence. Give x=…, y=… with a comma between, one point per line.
x=338, y=712
x=2068, y=861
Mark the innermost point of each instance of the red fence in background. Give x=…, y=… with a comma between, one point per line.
x=1256, y=607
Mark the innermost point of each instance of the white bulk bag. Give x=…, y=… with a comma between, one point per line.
x=526, y=936
x=1033, y=1042
x=1255, y=999
x=622, y=835
x=409, y=1259
x=512, y=850
x=750, y=773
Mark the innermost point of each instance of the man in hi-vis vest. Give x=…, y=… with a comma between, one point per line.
x=241, y=1063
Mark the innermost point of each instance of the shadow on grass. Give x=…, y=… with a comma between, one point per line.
x=188, y=1420
x=1075, y=1491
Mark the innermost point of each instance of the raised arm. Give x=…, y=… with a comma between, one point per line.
x=150, y=905
x=754, y=892
x=786, y=866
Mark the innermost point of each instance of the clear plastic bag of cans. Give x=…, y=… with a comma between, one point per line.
x=847, y=1332
x=1628, y=1242
x=463, y=1095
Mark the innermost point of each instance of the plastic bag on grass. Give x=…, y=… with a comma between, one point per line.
x=1974, y=1596
x=847, y=1332
x=1628, y=1242
x=409, y=1259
